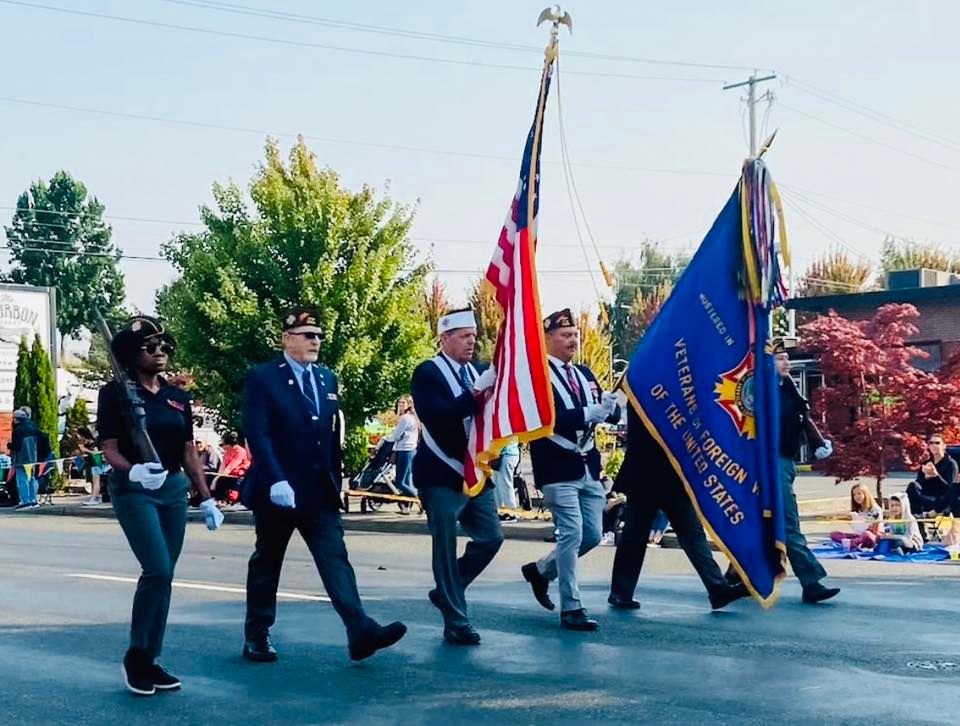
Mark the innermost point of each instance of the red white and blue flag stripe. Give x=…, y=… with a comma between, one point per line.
x=520, y=404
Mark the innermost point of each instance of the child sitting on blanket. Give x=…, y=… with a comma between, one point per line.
x=901, y=533
x=866, y=520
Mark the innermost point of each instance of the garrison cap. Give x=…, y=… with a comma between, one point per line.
x=560, y=319
x=301, y=316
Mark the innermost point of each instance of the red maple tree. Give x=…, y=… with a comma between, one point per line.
x=875, y=405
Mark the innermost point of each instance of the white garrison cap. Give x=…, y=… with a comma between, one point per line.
x=456, y=319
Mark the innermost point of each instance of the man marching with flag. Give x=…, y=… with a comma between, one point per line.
x=566, y=465
x=468, y=419
x=445, y=391
x=704, y=393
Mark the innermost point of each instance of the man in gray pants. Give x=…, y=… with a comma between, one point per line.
x=566, y=465
x=444, y=391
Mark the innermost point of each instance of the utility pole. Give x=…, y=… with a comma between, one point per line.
x=751, y=84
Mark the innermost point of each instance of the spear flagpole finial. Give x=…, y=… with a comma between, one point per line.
x=557, y=18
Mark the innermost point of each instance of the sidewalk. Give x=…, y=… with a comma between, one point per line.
x=812, y=493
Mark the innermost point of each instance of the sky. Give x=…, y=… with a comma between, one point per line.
x=865, y=102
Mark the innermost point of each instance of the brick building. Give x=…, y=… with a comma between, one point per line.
x=935, y=294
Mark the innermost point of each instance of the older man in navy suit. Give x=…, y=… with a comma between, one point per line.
x=291, y=417
x=445, y=391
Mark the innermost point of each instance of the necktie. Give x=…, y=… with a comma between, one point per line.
x=574, y=383
x=309, y=392
x=465, y=378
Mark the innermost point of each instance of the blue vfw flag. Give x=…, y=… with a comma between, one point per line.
x=704, y=384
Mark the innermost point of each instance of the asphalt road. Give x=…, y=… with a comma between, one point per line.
x=884, y=652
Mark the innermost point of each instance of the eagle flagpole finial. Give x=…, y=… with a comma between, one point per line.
x=557, y=18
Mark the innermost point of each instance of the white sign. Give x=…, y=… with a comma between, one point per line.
x=25, y=311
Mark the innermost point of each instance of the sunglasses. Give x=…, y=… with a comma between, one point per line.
x=152, y=348
x=934, y=442
x=308, y=335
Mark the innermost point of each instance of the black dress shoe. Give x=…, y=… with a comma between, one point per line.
x=461, y=635
x=725, y=595
x=623, y=603
x=376, y=638
x=137, y=673
x=434, y=598
x=578, y=620
x=539, y=584
x=818, y=593
x=259, y=650
x=162, y=679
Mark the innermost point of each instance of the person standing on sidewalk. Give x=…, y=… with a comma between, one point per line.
x=795, y=424
x=566, y=465
x=291, y=418
x=25, y=445
x=445, y=391
x=405, y=437
x=149, y=497
x=503, y=474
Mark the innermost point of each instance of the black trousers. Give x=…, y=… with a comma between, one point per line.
x=651, y=484
x=323, y=533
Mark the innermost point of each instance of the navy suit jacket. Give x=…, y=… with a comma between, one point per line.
x=553, y=463
x=288, y=442
x=442, y=414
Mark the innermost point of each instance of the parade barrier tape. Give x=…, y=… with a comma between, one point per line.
x=519, y=513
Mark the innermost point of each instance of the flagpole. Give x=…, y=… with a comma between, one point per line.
x=550, y=53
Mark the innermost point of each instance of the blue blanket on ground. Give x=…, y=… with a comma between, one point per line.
x=833, y=551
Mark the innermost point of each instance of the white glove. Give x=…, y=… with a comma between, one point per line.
x=212, y=516
x=486, y=379
x=281, y=494
x=824, y=451
x=595, y=413
x=609, y=402
x=150, y=476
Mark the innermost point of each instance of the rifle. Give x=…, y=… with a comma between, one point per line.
x=134, y=414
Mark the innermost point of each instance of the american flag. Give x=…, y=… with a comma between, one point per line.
x=521, y=402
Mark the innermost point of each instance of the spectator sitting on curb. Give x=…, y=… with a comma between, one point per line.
x=901, y=534
x=866, y=520
x=932, y=487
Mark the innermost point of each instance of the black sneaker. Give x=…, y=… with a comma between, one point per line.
x=137, y=674
x=162, y=679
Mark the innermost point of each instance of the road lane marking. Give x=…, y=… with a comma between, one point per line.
x=199, y=586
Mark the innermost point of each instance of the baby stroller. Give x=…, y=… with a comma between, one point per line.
x=377, y=478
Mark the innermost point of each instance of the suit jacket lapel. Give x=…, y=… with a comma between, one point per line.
x=289, y=381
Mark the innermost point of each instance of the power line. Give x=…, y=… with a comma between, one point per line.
x=870, y=113
x=250, y=10
x=825, y=230
x=337, y=48
x=658, y=241
x=871, y=207
x=869, y=139
x=331, y=140
x=123, y=256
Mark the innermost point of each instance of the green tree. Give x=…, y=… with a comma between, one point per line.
x=595, y=349
x=24, y=385
x=835, y=273
x=307, y=239
x=906, y=254
x=58, y=238
x=78, y=417
x=435, y=304
x=45, y=394
x=642, y=285
x=489, y=316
